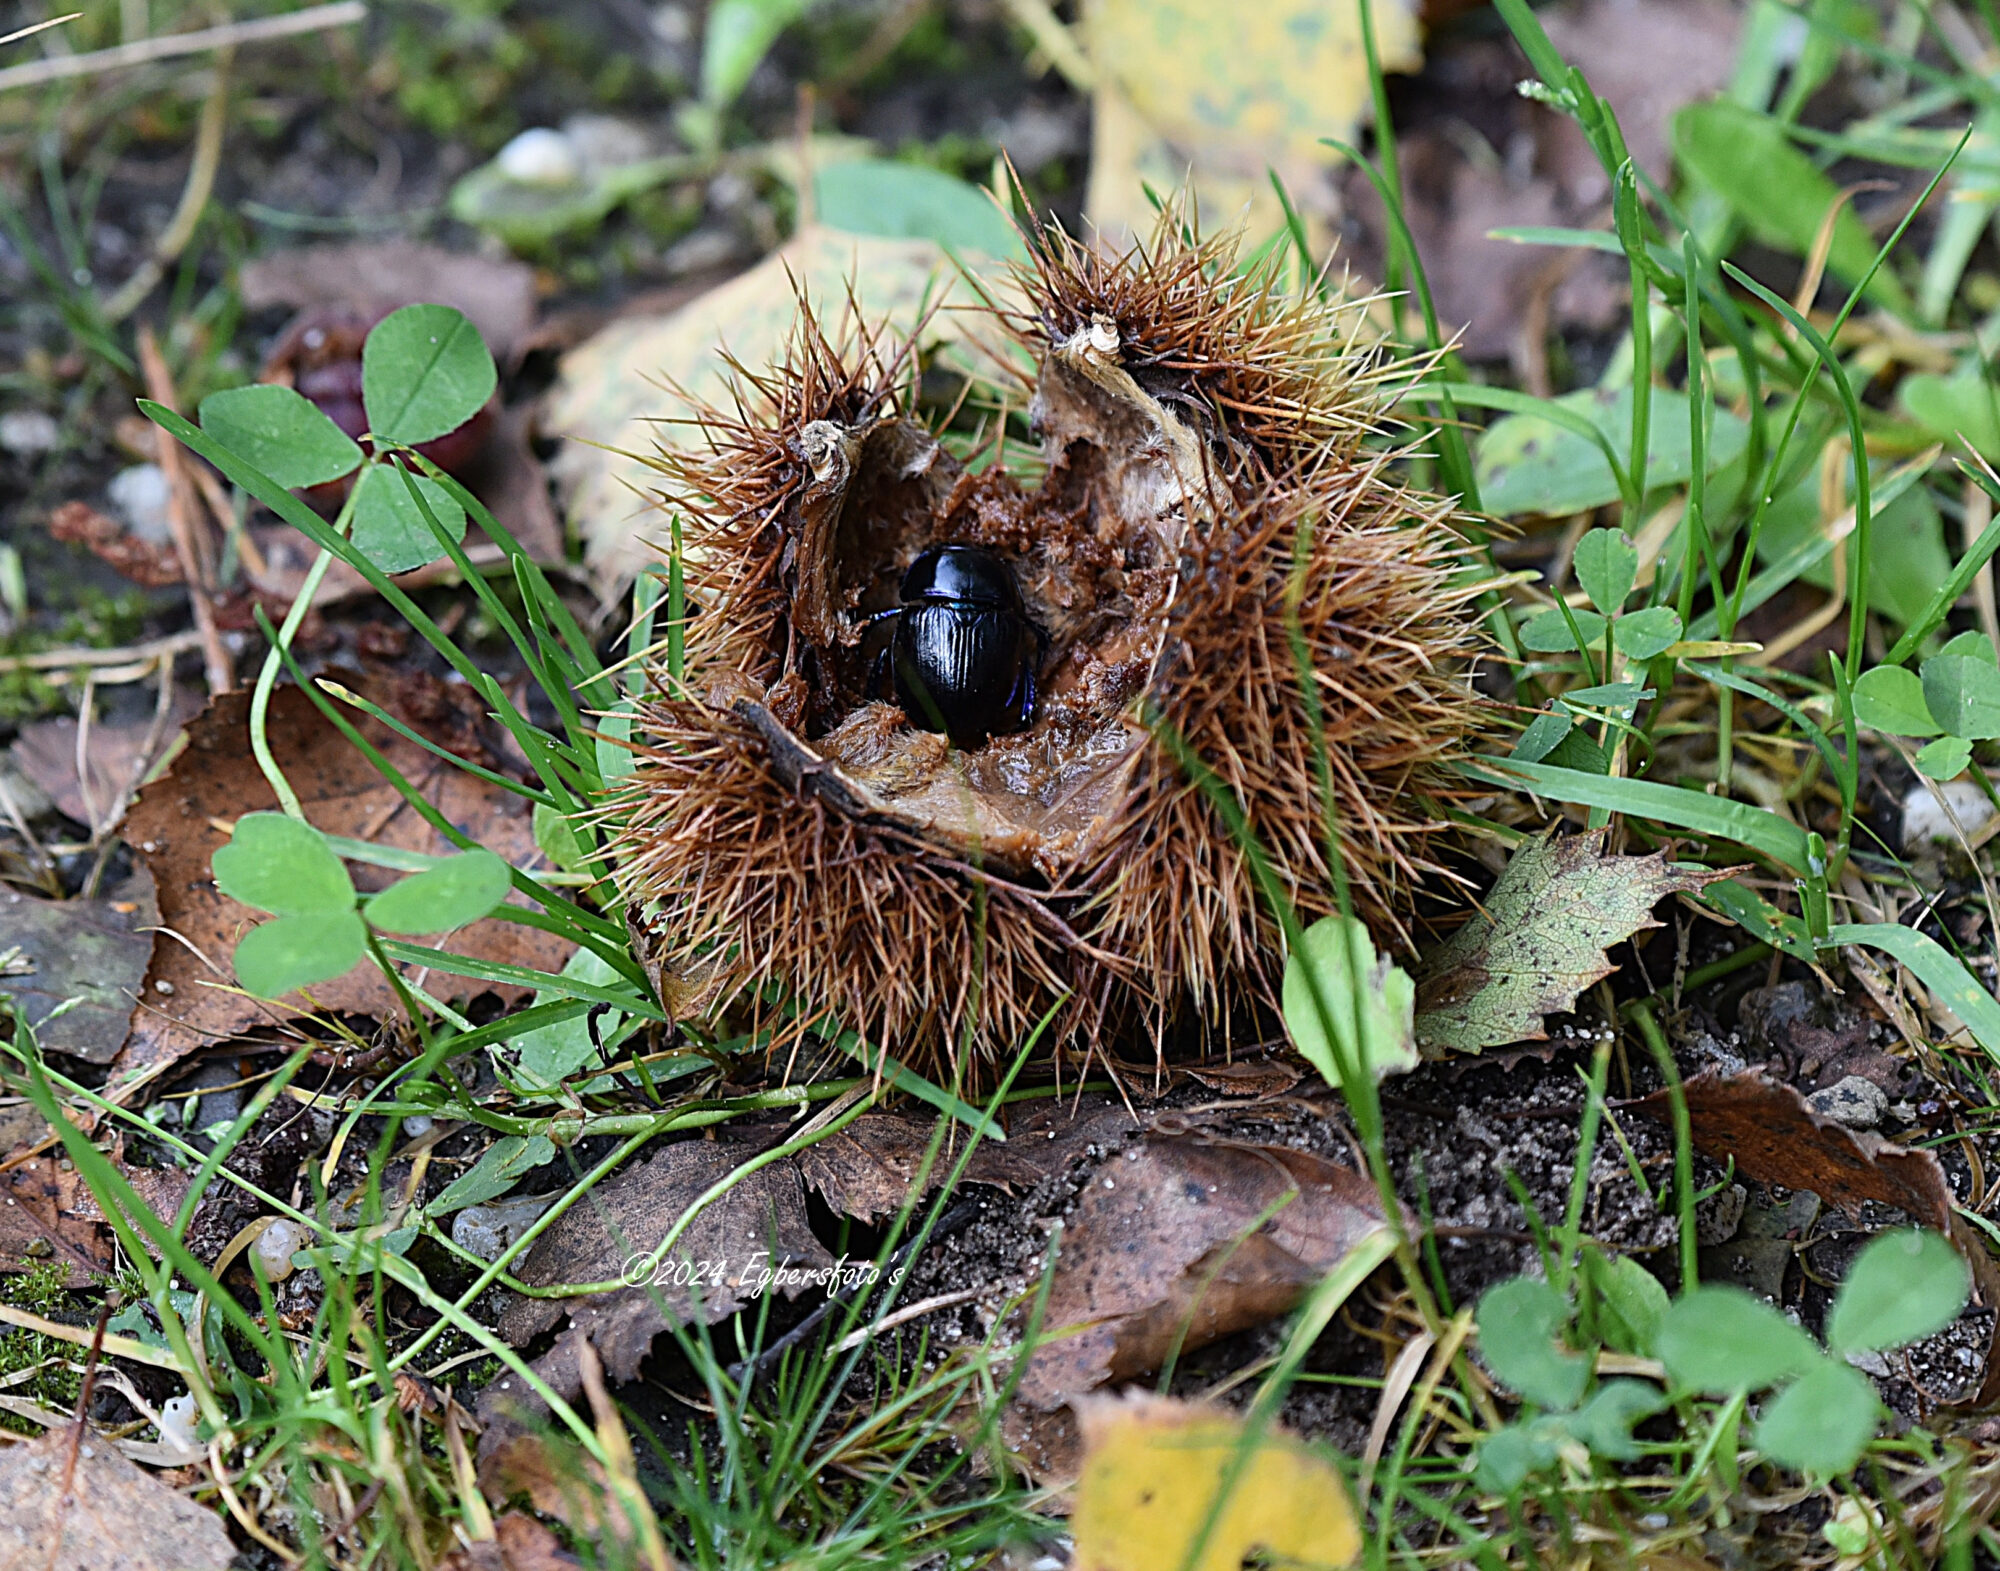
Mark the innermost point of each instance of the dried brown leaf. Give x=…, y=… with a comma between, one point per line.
x=373, y=278
x=519, y=1543
x=866, y=1169
x=111, y=1517
x=175, y=824
x=1176, y=1243
x=93, y=950
x=48, y=1215
x=1774, y=1137
x=117, y=754
x=716, y=1266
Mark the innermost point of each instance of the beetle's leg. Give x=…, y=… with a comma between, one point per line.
x=1021, y=701
x=878, y=668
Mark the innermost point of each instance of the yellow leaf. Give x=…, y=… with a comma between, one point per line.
x=1152, y=1468
x=1226, y=93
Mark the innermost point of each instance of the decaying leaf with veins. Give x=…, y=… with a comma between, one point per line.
x=1769, y=1133
x=1173, y=1244
x=1540, y=940
x=1152, y=1468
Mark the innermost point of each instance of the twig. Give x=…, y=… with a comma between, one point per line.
x=173, y=45
x=909, y=1312
x=226, y=520
x=136, y=654
x=1978, y=514
x=33, y=28
x=193, y=203
x=182, y=512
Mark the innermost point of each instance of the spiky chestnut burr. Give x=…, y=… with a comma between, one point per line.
x=1204, y=497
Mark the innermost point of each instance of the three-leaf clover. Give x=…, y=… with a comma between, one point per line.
x=1723, y=1341
x=319, y=927
x=1521, y=1327
x=424, y=372
x=1606, y=566
x=1955, y=700
x=1716, y=1341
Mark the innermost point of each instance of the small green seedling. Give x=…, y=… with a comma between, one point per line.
x=1523, y=1326
x=1346, y=1008
x=424, y=373
x=320, y=924
x=1607, y=566
x=1723, y=1341
x=1955, y=700
x=1717, y=1342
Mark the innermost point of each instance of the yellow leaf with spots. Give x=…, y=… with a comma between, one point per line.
x=1153, y=1467
x=1227, y=92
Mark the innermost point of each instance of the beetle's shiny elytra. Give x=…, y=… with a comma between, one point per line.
x=964, y=651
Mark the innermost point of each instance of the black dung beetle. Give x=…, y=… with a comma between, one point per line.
x=964, y=650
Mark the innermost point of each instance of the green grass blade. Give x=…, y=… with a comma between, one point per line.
x=1717, y=818
x=1952, y=984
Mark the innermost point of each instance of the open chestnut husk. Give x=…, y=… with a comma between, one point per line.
x=1205, y=492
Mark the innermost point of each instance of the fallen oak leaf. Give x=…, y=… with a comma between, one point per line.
x=1540, y=940
x=110, y=1517
x=1152, y=1470
x=1773, y=1136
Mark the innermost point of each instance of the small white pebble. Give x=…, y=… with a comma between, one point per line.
x=28, y=431
x=541, y=157
x=275, y=1246
x=1925, y=821
x=417, y=1125
x=177, y=1420
x=142, y=496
